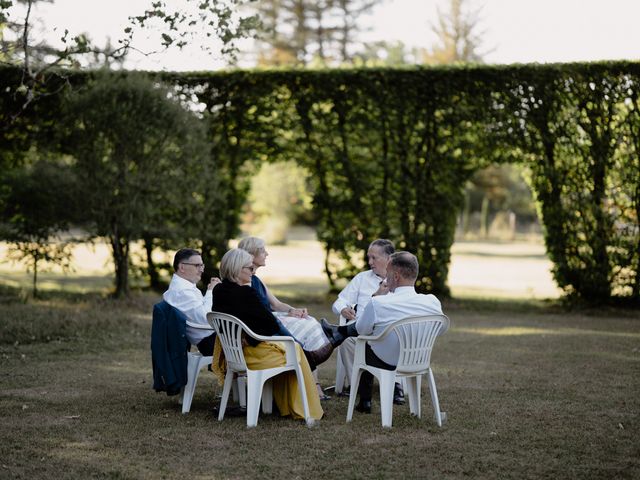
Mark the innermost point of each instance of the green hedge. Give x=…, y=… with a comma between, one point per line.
x=390, y=151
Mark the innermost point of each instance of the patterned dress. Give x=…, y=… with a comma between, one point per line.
x=306, y=330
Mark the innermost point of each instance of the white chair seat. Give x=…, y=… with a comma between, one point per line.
x=417, y=336
x=342, y=376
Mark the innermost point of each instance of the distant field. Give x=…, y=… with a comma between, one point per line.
x=478, y=269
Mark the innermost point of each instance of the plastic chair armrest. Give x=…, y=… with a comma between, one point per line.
x=278, y=338
x=199, y=326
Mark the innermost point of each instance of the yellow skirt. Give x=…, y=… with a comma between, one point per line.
x=285, y=386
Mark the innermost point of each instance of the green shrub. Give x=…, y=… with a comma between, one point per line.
x=389, y=152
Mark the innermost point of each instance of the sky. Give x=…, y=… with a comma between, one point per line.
x=515, y=31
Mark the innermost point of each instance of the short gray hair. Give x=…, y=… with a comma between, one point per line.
x=383, y=244
x=406, y=264
x=232, y=263
x=251, y=244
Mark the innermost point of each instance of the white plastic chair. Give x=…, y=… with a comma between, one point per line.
x=417, y=336
x=196, y=362
x=229, y=330
x=342, y=376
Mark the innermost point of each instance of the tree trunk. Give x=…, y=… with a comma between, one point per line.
x=120, y=248
x=465, y=214
x=154, y=276
x=484, y=217
x=327, y=269
x=35, y=276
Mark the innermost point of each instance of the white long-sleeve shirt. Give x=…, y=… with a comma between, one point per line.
x=185, y=296
x=357, y=292
x=384, y=309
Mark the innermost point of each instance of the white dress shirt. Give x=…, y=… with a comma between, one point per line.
x=385, y=309
x=357, y=292
x=185, y=296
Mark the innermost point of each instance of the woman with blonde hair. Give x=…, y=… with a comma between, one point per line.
x=235, y=296
x=295, y=322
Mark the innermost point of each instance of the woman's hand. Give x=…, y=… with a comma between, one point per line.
x=297, y=312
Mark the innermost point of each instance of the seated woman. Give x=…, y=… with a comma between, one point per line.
x=303, y=327
x=235, y=296
x=296, y=321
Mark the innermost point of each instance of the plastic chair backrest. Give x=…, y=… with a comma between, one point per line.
x=416, y=336
x=229, y=330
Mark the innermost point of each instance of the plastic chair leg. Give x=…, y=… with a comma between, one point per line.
x=355, y=381
x=340, y=372
x=387, y=383
x=228, y=380
x=239, y=389
x=403, y=383
x=235, y=390
x=413, y=393
x=254, y=394
x=303, y=394
x=267, y=397
x=439, y=416
x=241, y=381
x=193, y=369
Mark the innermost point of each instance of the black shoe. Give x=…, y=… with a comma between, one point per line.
x=398, y=395
x=231, y=411
x=346, y=391
x=364, y=406
x=331, y=332
x=323, y=396
x=326, y=327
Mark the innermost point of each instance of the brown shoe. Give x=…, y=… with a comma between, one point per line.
x=321, y=355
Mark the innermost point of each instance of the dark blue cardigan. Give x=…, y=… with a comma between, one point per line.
x=169, y=346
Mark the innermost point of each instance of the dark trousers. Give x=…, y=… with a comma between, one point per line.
x=365, y=389
x=205, y=346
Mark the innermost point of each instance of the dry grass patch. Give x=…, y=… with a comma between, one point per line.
x=531, y=392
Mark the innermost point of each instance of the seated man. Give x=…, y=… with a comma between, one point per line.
x=185, y=296
x=356, y=295
x=398, y=302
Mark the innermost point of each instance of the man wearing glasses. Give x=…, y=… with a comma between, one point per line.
x=185, y=296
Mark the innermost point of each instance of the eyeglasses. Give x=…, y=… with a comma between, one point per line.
x=197, y=265
x=251, y=268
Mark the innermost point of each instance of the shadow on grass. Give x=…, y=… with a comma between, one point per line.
x=531, y=392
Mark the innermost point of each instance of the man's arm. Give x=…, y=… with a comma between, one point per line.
x=347, y=298
x=193, y=304
x=367, y=320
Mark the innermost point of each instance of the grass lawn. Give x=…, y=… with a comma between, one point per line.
x=531, y=391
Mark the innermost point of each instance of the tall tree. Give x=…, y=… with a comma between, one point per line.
x=136, y=160
x=38, y=206
x=300, y=32
x=175, y=25
x=350, y=12
x=458, y=35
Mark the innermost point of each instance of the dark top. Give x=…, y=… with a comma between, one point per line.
x=261, y=290
x=243, y=302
